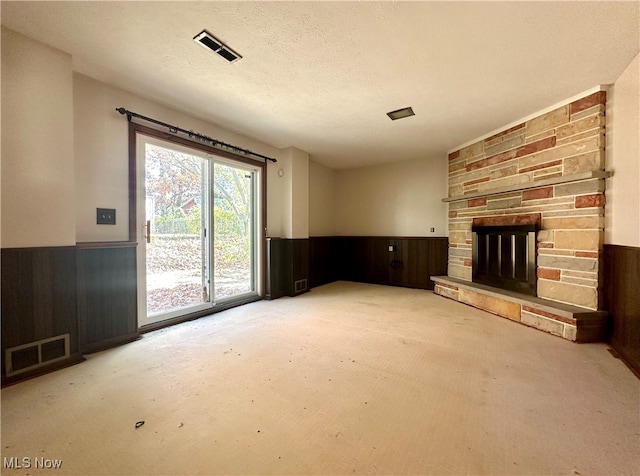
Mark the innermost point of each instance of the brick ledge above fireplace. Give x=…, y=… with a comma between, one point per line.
x=573, y=323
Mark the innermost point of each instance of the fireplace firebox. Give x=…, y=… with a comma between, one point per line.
x=505, y=257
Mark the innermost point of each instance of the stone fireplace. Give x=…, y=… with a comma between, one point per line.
x=544, y=176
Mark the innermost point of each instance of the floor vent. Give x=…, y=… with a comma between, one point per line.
x=33, y=355
x=300, y=286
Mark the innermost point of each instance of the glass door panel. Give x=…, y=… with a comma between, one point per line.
x=234, y=229
x=175, y=231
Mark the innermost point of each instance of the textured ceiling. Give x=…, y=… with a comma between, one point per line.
x=321, y=76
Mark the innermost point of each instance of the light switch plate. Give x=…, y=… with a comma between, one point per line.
x=106, y=216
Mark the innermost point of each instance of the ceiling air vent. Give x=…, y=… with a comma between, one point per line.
x=207, y=40
x=400, y=113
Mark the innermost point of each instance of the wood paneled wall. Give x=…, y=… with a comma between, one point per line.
x=39, y=300
x=622, y=300
x=324, y=253
x=88, y=292
x=287, y=263
x=411, y=261
x=107, y=299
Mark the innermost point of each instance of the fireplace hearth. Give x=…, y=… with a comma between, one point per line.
x=505, y=257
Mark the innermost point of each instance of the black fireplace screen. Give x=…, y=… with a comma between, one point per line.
x=505, y=257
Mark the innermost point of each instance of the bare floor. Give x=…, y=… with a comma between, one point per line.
x=347, y=379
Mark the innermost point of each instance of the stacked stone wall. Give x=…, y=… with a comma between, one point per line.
x=508, y=174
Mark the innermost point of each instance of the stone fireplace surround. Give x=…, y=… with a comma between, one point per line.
x=549, y=169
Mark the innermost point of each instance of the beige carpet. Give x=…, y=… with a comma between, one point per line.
x=347, y=379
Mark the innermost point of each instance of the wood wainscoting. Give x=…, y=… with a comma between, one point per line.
x=287, y=267
x=324, y=253
x=60, y=302
x=107, y=294
x=395, y=261
x=622, y=300
x=39, y=302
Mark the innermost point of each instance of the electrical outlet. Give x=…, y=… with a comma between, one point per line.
x=106, y=216
x=433, y=230
x=392, y=248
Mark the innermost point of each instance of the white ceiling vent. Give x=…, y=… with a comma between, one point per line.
x=207, y=40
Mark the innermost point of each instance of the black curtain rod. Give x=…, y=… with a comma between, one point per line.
x=192, y=135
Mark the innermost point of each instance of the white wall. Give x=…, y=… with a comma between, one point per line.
x=622, y=212
x=396, y=199
x=38, y=192
x=293, y=184
x=299, y=194
x=275, y=198
x=101, y=150
x=322, y=200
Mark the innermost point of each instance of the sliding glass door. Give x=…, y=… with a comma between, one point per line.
x=197, y=222
x=233, y=237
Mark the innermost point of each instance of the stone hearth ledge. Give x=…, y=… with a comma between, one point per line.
x=573, y=323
